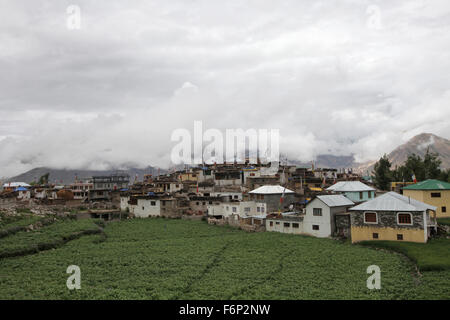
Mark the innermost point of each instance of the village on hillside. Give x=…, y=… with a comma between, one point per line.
x=319, y=202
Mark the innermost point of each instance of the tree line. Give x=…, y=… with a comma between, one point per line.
x=414, y=167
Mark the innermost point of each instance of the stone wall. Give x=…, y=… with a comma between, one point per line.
x=387, y=219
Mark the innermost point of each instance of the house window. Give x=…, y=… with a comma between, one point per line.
x=369, y=194
x=317, y=212
x=360, y=195
x=262, y=209
x=399, y=237
x=295, y=225
x=287, y=224
x=444, y=209
x=370, y=217
x=143, y=208
x=375, y=235
x=404, y=218
x=153, y=203
x=234, y=209
x=258, y=209
x=315, y=227
x=277, y=223
x=247, y=209
x=271, y=223
x=435, y=194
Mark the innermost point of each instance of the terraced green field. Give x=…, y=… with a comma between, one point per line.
x=177, y=259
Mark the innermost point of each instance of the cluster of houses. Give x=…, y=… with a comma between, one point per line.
x=351, y=209
x=90, y=189
x=295, y=199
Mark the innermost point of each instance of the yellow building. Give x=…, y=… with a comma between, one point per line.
x=392, y=217
x=188, y=176
x=433, y=192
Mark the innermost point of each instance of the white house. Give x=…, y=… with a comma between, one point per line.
x=240, y=208
x=144, y=206
x=23, y=193
x=289, y=222
x=320, y=217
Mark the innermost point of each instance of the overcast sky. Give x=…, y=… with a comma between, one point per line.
x=341, y=77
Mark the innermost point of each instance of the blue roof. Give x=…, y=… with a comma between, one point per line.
x=21, y=189
x=124, y=189
x=151, y=194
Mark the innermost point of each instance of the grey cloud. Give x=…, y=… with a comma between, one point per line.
x=113, y=92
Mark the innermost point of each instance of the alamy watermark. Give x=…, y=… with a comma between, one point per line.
x=374, y=17
x=73, y=281
x=251, y=146
x=374, y=281
x=73, y=17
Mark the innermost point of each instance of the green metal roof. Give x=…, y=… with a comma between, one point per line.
x=429, y=185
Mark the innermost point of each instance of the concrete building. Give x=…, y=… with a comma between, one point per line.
x=393, y=217
x=227, y=177
x=81, y=189
x=356, y=191
x=433, y=192
x=238, y=208
x=103, y=185
x=144, y=206
x=321, y=214
x=23, y=193
x=271, y=197
x=199, y=204
x=288, y=223
x=227, y=195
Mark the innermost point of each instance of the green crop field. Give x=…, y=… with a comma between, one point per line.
x=434, y=255
x=178, y=259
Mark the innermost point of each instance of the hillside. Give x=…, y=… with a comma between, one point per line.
x=419, y=145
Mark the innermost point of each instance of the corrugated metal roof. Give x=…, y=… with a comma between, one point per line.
x=15, y=184
x=393, y=201
x=336, y=200
x=261, y=216
x=429, y=184
x=350, y=186
x=271, y=190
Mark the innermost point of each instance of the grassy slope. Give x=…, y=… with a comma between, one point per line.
x=16, y=221
x=170, y=259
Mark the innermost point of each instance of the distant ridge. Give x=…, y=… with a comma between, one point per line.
x=67, y=176
x=419, y=145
